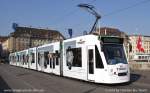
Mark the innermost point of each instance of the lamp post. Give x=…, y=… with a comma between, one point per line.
x=70, y=32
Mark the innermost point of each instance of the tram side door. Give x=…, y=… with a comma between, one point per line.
x=91, y=62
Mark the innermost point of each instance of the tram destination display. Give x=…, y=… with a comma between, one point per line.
x=112, y=40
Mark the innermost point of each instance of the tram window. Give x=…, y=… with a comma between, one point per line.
x=53, y=62
x=20, y=58
x=91, y=61
x=98, y=59
x=39, y=58
x=17, y=58
x=50, y=60
x=57, y=57
x=9, y=58
x=57, y=53
x=45, y=59
x=33, y=58
x=74, y=54
x=57, y=60
x=23, y=58
x=27, y=59
x=13, y=58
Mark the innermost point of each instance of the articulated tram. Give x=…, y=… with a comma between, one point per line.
x=91, y=58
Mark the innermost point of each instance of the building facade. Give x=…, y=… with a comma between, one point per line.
x=27, y=37
x=2, y=40
x=137, y=55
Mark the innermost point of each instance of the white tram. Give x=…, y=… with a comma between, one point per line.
x=12, y=58
x=22, y=58
x=90, y=58
x=48, y=58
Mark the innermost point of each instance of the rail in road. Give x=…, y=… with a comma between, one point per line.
x=20, y=80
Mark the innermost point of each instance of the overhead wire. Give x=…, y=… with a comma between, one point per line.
x=126, y=8
x=62, y=18
x=123, y=9
x=71, y=13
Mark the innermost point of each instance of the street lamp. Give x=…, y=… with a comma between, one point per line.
x=90, y=9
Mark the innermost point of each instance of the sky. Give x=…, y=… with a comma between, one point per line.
x=129, y=16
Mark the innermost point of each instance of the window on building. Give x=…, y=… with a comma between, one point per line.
x=139, y=57
x=142, y=57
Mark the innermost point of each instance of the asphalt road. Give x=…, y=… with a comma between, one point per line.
x=19, y=80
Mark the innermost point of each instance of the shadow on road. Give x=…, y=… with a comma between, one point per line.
x=134, y=77
x=4, y=88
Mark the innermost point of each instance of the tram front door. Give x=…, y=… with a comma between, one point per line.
x=91, y=62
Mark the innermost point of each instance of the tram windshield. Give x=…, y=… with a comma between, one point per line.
x=114, y=54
